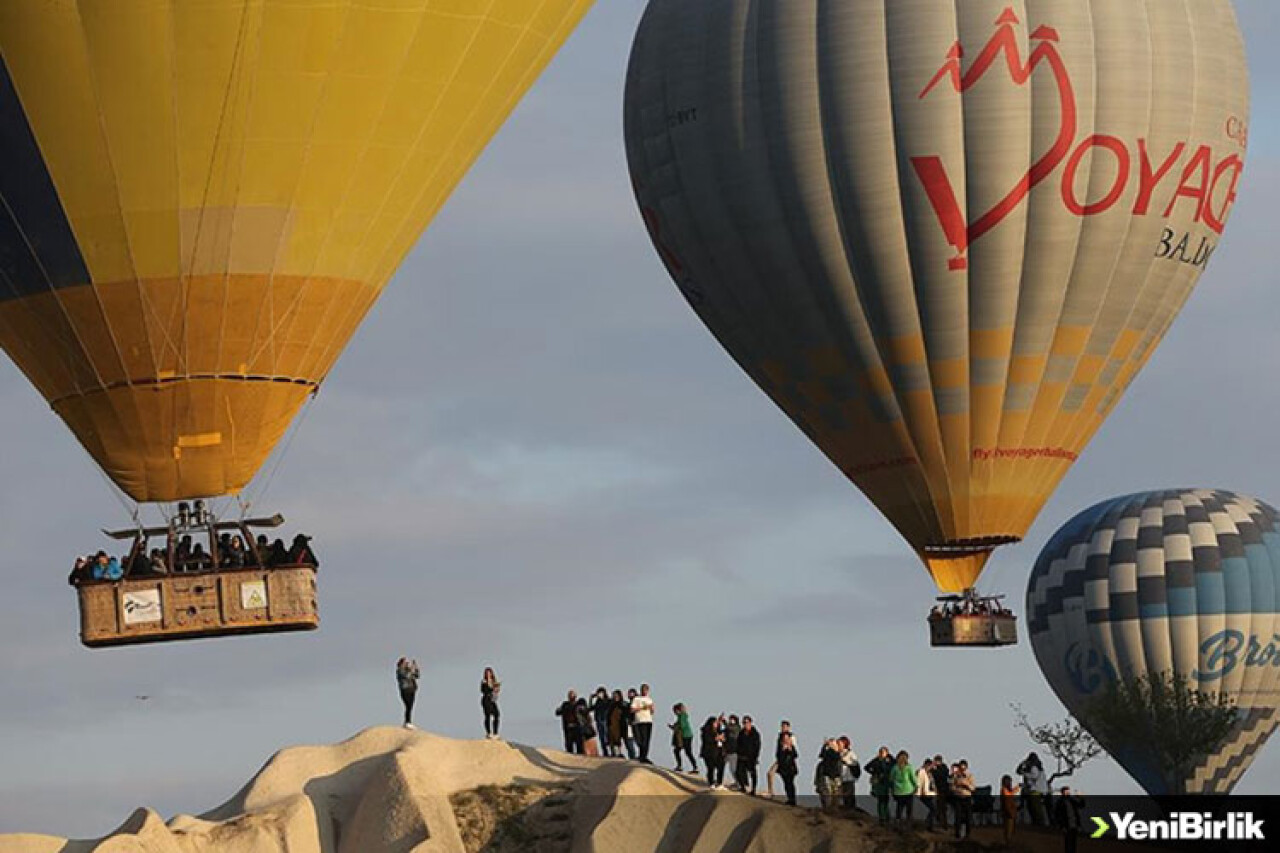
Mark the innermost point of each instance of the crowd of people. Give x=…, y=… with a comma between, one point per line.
x=947, y=791
x=618, y=724
x=183, y=553
x=970, y=605
x=609, y=723
x=231, y=552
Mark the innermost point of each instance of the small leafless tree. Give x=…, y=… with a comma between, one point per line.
x=1067, y=741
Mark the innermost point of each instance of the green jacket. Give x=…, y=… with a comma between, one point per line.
x=686, y=728
x=902, y=780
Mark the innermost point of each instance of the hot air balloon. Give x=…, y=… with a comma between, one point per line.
x=203, y=200
x=942, y=237
x=1183, y=582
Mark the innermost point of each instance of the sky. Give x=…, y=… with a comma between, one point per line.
x=534, y=456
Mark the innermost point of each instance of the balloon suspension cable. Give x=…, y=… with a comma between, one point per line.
x=998, y=572
x=132, y=507
x=215, y=505
x=250, y=499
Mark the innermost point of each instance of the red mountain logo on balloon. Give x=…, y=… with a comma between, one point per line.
x=1202, y=177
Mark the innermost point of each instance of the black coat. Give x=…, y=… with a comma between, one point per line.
x=584, y=720
x=1066, y=812
x=941, y=779
x=568, y=714
x=749, y=745
x=712, y=744
x=829, y=763
x=788, y=762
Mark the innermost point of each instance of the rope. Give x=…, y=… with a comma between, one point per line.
x=280, y=454
x=130, y=506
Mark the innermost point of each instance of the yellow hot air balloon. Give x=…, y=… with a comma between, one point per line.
x=943, y=237
x=201, y=200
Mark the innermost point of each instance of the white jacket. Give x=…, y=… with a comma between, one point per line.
x=848, y=758
x=924, y=783
x=1035, y=780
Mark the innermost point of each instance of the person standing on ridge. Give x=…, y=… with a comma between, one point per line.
x=878, y=769
x=489, y=688
x=748, y=756
x=1008, y=808
x=787, y=765
x=629, y=719
x=713, y=751
x=642, y=722
x=962, y=785
x=784, y=730
x=850, y=772
x=617, y=727
x=1034, y=788
x=827, y=775
x=902, y=783
x=407, y=674
x=925, y=791
x=568, y=714
x=941, y=791
x=599, y=705
x=586, y=729
x=682, y=738
x=731, y=729
x=1066, y=814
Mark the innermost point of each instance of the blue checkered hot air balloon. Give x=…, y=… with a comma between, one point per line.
x=1183, y=582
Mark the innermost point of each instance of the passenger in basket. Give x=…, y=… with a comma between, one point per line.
x=182, y=555
x=80, y=572
x=106, y=568
x=237, y=556
x=300, y=553
x=139, y=564
x=200, y=561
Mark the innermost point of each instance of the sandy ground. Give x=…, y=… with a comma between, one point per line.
x=405, y=791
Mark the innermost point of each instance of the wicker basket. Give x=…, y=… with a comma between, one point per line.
x=205, y=604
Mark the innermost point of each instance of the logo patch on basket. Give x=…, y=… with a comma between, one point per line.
x=253, y=595
x=142, y=606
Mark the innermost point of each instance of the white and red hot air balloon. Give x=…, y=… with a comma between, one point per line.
x=943, y=237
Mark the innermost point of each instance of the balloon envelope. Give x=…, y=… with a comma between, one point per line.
x=203, y=199
x=943, y=237
x=1184, y=582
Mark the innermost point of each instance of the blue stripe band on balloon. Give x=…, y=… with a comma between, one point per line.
x=1211, y=598
x=38, y=250
x=1262, y=578
x=1154, y=611
x=1182, y=602
x=1237, y=585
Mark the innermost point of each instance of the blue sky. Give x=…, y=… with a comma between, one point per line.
x=534, y=456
